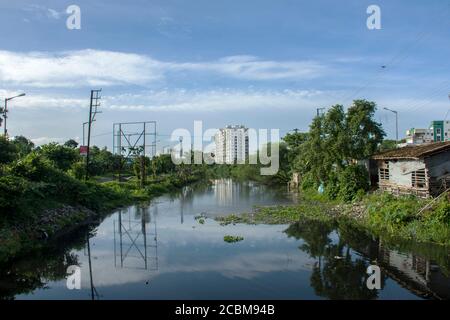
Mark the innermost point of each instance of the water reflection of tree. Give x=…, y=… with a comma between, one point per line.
x=338, y=274
x=36, y=269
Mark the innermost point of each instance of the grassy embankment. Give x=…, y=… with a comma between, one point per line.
x=38, y=202
x=379, y=214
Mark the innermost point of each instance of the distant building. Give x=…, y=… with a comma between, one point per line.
x=437, y=132
x=232, y=145
x=422, y=170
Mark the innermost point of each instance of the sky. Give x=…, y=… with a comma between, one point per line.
x=264, y=64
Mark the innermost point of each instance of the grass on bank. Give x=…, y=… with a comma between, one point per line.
x=379, y=213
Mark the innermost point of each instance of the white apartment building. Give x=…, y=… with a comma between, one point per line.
x=232, y=145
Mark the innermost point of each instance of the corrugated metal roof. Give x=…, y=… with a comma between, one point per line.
x=414, y=152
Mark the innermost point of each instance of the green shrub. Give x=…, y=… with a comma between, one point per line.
x=308, y=182
x=332, y=186
x=12, y=190
x=78, y=170
x=33, y=167
x=351, y=180
x=8, y=151
x=61, y=156
x=442, y=212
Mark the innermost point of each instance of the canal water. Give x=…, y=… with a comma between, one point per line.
x=163, y=251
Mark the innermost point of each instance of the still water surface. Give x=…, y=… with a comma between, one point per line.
x=161, y=251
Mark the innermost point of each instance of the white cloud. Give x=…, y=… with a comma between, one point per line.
x=39, y=12
x=182, y=100
x=53, y=13
x=105, y=68
x=44, y=140
x=75, y=69
x=213, y=100
x=42, y=101
x=253, y=68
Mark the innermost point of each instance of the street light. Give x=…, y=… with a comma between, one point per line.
x=396, y=122
x=5, y=110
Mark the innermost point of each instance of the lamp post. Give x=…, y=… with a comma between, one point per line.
x=5, y=110
x=396, y=122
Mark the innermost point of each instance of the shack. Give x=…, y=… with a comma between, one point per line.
x=422, y=170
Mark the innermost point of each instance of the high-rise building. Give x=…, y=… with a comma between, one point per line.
x=232, y=144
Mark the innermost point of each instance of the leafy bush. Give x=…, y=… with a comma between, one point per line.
x=8, y=151
x=12, y=190
x=442, y=212
x=61, y=156
x=33, y=167
x=308, y=182
x=78, y=170
x=352, y=179
x=332, y=186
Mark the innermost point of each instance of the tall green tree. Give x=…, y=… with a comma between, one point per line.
x=24, y=146
x=8, y=151
x=61, y=156
x=71, y=143
x=365, y=133
x=338, y=138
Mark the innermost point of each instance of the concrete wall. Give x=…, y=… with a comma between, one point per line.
x=400, y=172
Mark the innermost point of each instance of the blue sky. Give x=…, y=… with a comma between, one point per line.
x=265, y=64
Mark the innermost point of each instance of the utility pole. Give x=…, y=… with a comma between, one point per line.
x=5, y=111
x=396, y=122
x=94, y=104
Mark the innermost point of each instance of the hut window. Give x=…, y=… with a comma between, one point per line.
x=384, y=171
x=418, y=179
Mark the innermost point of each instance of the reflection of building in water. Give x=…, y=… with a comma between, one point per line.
x=186, y=199
x=135, y=241
x=226, y=192
x=417, y=274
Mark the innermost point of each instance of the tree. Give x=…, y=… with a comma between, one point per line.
x=387, y=145
x=295, y=140
x=365, y=133
x=61, y=156
x=293, y=143
x=162, y=164
x=71, y=144
x=23, y=145
x=336, y=140
x=8, y=151
x=313, y=161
